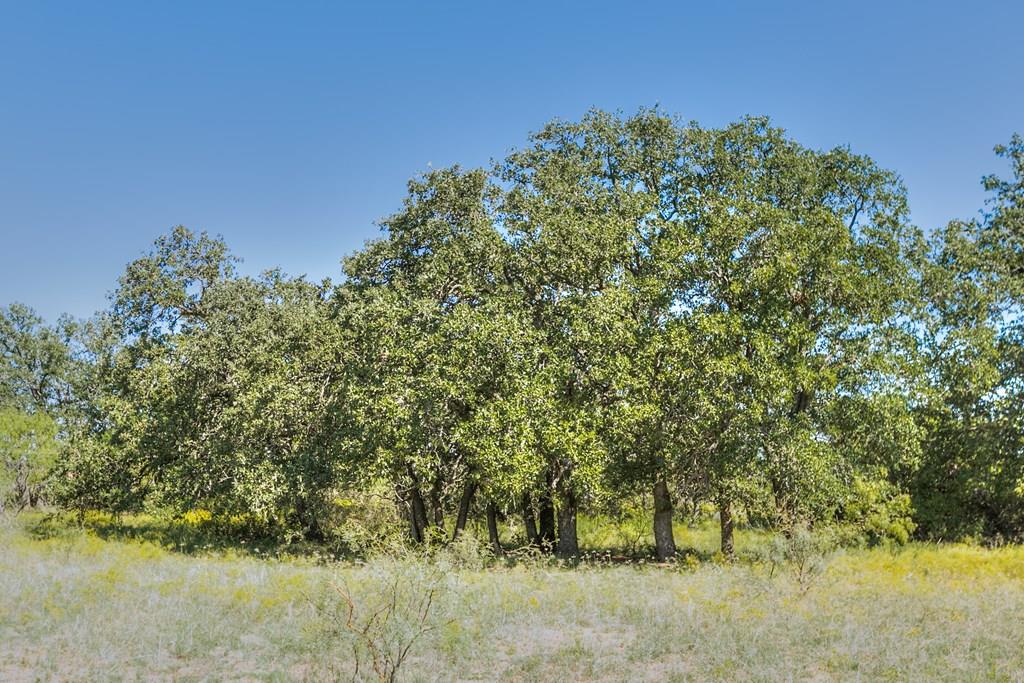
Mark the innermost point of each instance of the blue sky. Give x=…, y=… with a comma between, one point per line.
x=291, y=127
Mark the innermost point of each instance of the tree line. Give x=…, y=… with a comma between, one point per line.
x=627, y=311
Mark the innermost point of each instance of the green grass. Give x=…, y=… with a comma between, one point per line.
x=78, y=606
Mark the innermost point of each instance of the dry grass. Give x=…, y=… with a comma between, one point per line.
x=77, y=607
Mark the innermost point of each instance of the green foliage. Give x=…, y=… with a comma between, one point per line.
x=878, y=511
x=221, y=392
x=28, y=450
x=365, y=524
x=34, y=360
x=625, y=309
x=970, y=482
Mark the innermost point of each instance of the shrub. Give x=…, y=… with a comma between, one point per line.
x=366, y=523
x=879, y=512
x=386, y=616
x=804, y=552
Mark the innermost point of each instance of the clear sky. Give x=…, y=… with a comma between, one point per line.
x=291, y=127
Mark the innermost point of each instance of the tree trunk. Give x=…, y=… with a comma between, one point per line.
x=546, y=512
x=405, y=508
x=21, y=488
x=726, y=525
x=419, y=515
x=435, y=503
x=308, y=520
x=529, y=522
x=492, y=528
x=467, y=499
x=418, y=508
x=664, y=542
x=568, y=546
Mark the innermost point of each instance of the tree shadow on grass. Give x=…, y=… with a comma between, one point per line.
x=207, y=535
x=180, y=534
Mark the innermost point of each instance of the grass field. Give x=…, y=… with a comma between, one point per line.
x=75, y=605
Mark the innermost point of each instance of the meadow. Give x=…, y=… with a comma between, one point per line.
x=134, y=600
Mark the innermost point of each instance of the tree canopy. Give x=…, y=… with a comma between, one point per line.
x=625, y=311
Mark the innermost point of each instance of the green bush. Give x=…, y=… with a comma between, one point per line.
x=365, y=523
x=878, y=512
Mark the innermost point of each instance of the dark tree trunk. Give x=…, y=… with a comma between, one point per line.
x=418, y=508
x=529, y=522
x=664, y=542
x=467, y=499
x=309, y=521
x=435, y=503
x=546, y=513
x=405, y=509
x=726, y=525
x=419, y=515
x=568, y=546
x=492, y=528
x=22, y=491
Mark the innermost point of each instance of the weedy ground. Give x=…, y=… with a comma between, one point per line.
x=77, y=606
